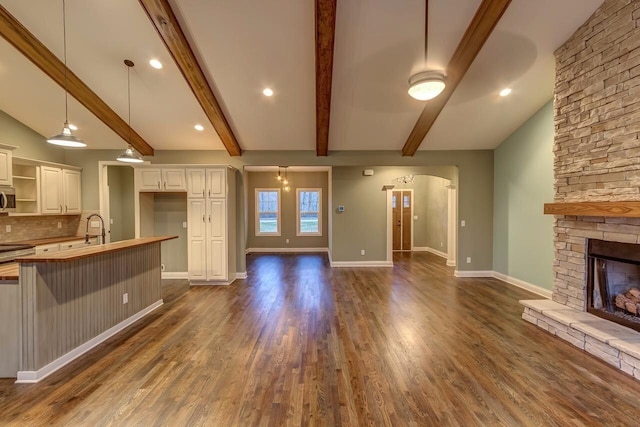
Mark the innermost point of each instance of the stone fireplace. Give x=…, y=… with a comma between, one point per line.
x=597, y=188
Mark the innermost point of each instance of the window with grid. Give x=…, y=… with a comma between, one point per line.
x=309, y=207
x=267, y=211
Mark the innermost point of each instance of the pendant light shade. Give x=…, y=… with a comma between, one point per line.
x=426, y=85
x=129, y=155
x=66, y=138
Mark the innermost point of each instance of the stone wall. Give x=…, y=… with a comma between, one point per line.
x=596, y=147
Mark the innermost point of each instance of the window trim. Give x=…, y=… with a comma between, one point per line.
x=298, y=212
x=256, y=212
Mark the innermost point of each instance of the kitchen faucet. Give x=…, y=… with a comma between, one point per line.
x=86, y=236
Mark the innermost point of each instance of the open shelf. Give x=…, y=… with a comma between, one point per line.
x=32, y=178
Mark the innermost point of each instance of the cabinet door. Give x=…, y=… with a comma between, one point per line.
x=6, y=176
x=72, y=190
x=196, y=251
x=216, y=183
x=148, y=179
x=173, y=180
x=216, y=240
x=195, y=183
x=51, y=190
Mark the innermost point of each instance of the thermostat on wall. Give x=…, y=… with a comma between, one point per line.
x=340, y=208
x=367, y=172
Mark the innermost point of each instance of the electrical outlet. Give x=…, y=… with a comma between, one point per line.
x=125, y=298
x=111, y=221
x=286, y=240
x=184, y=224
x=463, y=223
x=468, y=260
x=441, y=245
x=8, y=228
x=362, y=252
x=415, y=217
x=59, y=224
x=95, y=224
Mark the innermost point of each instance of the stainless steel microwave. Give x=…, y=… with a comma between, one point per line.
x=7, y=199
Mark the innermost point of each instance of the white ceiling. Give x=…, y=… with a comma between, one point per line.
x=245, y=46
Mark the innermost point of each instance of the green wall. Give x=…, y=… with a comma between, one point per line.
x=523, y=236
x=169, y=214
x=121, y=203
x=31, y=144
x=430, y=205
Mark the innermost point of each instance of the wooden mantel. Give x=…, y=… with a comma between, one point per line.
x=630, y=209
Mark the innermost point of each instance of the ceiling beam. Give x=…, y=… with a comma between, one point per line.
x=19, y=37
x=325, y=34
x=168, y=27
x=486, y=18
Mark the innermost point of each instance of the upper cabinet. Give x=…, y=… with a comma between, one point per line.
x=60, y=191
x=160, y=179
x=206, y=182
x=6, y=174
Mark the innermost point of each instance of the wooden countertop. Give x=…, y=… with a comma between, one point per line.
x=50, y=240
x=93, y=250
x=9, y=271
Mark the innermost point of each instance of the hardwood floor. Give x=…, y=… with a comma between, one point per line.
x=301, y=344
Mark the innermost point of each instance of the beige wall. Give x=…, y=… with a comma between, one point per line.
x=288, y=207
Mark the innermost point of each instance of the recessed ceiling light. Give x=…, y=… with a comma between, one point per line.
x=155, y=64
x=505, y=92
x=268, y=92
x=73, y=127
x=199, y=128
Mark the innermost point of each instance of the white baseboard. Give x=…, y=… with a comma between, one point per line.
x=35, y=376
x=241, y=275
x=175, y=275
x=335, y=264
x=543, y=292
x=284, y=250
x=459, y=273
x=430, y=250
x=451, y=263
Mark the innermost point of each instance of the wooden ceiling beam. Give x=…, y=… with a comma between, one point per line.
x=325, y=35
x=168, y=27
x=24, y=41
x=486, y=18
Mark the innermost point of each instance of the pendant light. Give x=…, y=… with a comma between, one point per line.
x=129, y=155
x=285, y=181
x=66, y=138
x=426, y=84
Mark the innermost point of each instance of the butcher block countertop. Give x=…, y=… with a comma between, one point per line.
x=9, y=271
x=90, y=251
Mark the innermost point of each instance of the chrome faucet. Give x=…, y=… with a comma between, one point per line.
x=86, y=236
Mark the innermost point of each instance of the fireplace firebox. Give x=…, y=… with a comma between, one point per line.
x=613, y=281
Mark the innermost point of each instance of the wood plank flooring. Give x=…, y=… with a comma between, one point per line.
x=298, y=343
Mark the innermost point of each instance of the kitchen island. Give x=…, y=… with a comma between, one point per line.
x=71, y=301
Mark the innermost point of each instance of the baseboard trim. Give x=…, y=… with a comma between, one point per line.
x=543, y=292
x=451, y=263
x=241, y=275
x=339, y=264
x=45, y=371
x=284, y=250
x=175, y=275
x=479, y=273
x=430, y=250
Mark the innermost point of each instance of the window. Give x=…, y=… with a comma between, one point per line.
x=309, y=206
x=267, y=211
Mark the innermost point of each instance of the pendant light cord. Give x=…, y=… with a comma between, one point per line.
x=426, y=31
x=129, y=100
x=64, y=50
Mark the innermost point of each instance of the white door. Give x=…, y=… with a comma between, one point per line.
x=196, y=253
x=216, y=183
x=149, y=179
x=216, y=253
x=51, y=190
x=71, y=189
x=173, y=180
x=195, y=183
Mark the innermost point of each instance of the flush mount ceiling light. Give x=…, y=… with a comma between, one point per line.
x=65, y=138
x=155, y=64
x=428, y=84
x=267, y=92
x=505, y=92
x=199, y=128
x=129, y=155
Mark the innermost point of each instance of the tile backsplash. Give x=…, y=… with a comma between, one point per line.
x=37, y=227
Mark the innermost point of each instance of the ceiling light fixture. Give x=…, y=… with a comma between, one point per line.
x=267, y=92
x=129, y=155
x=427, y=84
x=505, y=92
x=199, y=128
x=155, y=64
x=65, y=138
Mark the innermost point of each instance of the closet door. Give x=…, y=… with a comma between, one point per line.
x=197, y=251
x=216, y=253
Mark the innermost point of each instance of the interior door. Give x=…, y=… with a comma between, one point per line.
x=401, y=207
x=406, y=220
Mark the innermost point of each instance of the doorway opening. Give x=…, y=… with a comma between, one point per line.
x=117, y=199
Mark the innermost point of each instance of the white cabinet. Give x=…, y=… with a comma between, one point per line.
x=203, y=182
x=207, y=225
x=6, y=174
x=60, y=191
x=161, y=179
x=47, y=249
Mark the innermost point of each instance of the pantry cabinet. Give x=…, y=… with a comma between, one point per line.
x=207, y=224
x=160, y=179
